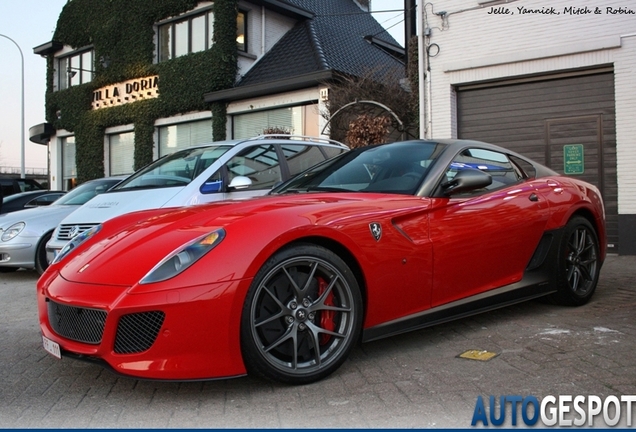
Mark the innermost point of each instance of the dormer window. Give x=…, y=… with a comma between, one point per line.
x=241, y=31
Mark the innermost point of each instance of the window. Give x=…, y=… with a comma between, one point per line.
x=298, y=120
x=259, y=163
x=43, y=200
x=75, y=69
x=182, y=135
x=241, y=31
x=301, y=157
x=122, y=153
x=69, y=170
x=188, y=35
x=502, y=171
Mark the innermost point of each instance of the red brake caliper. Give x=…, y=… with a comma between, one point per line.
x=326, y=317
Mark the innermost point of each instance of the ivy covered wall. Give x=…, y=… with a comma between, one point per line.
x=123, y=31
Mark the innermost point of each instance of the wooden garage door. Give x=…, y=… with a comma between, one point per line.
x=544, y=118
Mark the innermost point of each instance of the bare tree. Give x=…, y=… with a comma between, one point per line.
x=384, y=87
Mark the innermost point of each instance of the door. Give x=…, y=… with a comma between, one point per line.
x=484, y=239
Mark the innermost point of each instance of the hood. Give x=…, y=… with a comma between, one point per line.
x=128, y=247
x=48, y=216
x=110, y=204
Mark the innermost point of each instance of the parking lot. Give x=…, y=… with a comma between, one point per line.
x=415, y=380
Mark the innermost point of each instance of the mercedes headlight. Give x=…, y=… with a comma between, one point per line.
x=13, y=231
x=183, y=257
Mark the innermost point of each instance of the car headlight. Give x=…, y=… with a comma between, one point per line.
x=183, y=257
x=13, y=231
x=75, y=242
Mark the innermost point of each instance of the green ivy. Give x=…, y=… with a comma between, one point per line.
x=123, y=32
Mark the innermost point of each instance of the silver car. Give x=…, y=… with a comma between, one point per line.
x=24, y=233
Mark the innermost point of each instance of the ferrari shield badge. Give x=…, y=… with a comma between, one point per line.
x=376, y=230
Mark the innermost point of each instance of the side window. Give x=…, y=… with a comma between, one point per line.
x=332, y=151
x=7, y=188
x=500, y=168
x=301, y=157
x=260, y=164
x=43, y=200
x=528, y=169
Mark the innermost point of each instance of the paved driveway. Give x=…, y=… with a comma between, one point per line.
x=413, y=380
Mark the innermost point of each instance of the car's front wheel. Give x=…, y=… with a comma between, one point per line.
x=579, y=263
x=41, y=263
x=302, y=316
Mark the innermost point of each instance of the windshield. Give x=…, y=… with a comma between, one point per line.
x=389, y=168
x=176, y=169
x=84, y=192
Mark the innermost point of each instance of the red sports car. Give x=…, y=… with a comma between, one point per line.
x=375, y=242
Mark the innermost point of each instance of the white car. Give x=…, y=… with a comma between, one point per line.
x=24, y=233
x=201, y=174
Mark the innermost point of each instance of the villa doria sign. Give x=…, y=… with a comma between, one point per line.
x=126, y=92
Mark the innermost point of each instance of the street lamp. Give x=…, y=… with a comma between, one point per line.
x=22, y=175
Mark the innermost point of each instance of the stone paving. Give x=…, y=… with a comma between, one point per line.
x=414, y=380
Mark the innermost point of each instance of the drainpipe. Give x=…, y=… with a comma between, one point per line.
x=262, y=31
x=421, y=67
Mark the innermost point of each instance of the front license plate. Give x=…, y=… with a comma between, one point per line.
x=51, y=347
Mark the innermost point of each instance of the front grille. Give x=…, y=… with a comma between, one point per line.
x=70, y=231
x=137, y=332
x=78, y=324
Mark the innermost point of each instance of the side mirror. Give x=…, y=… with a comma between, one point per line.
x=239, y=183
x=467, y=180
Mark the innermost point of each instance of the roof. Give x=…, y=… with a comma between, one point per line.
x=338, y=39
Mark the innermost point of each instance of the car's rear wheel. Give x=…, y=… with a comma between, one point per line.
x=41, y=263
x=302, y=316
x=579, y=263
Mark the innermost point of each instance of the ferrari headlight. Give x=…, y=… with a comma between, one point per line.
x=13, y=231
x=75, y=242
x=183, y=257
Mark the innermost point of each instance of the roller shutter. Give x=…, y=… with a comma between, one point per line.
x=542, y=117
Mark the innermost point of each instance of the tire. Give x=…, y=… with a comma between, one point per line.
x=302, y=316
x=41, y=262
x=579, y=264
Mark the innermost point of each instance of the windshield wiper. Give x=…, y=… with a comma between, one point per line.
x=326, y=189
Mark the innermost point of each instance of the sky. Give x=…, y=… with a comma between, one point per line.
x=31, y=23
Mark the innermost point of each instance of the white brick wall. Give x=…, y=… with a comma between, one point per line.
x=478, y=46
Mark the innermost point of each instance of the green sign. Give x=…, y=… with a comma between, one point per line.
x=573, y=160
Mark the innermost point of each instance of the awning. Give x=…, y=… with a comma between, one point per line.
x=42, y=133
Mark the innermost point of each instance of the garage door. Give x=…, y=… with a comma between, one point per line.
x=554, y=120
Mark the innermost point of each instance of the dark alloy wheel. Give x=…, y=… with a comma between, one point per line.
x=579, y=263
x=302, y=316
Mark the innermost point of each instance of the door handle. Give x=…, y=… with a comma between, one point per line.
x=533, y=197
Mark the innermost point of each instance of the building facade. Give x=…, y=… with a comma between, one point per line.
x=130, y=81
x=554, y=81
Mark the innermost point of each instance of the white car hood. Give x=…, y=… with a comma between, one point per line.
x=111, y=204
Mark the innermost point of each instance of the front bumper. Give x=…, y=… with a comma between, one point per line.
x=175, y=334
x=18, y=253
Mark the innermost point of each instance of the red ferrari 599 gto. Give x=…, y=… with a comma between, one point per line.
x=377, y=241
